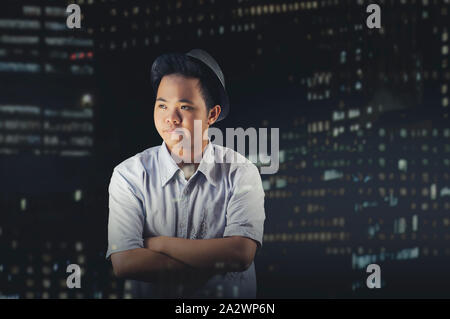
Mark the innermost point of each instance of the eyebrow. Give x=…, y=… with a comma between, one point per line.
x=182, y=100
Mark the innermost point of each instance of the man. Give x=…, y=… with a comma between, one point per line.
x=186, y=221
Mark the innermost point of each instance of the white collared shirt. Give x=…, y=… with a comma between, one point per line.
x=149, y=196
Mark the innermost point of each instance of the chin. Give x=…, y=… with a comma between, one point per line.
x=172, y=141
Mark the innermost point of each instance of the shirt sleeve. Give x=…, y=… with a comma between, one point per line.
x=126, y=216
x=245, y=210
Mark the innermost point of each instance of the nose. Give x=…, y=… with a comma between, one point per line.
x=173, y=118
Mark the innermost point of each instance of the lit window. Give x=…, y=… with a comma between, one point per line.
x=343, y=57
x=14, y=39
x=403, y=165
x=78, y=195
x=55, y=11
x=403, y=133
x=78, y=246
x=31, y=10
x=20, y=24
x=23, y=204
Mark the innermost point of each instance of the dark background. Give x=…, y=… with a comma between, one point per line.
x=353, y=106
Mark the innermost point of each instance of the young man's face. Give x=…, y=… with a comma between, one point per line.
x=178, y=104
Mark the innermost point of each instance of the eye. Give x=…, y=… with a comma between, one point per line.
x=162, y=106
x=186, y=107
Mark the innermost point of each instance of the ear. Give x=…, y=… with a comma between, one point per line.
x=214, y=114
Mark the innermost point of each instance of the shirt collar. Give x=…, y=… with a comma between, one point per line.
x=207, y=165
x=168, y=167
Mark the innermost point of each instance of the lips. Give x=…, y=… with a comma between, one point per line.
x=174, y=130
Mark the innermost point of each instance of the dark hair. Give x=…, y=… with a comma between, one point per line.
x=181, y=64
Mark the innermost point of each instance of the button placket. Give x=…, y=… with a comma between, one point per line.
x=185, y=209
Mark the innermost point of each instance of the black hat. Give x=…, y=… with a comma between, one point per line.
x=205, y=58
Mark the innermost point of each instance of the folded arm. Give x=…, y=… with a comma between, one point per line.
x=146, y=265
x=233, y=253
